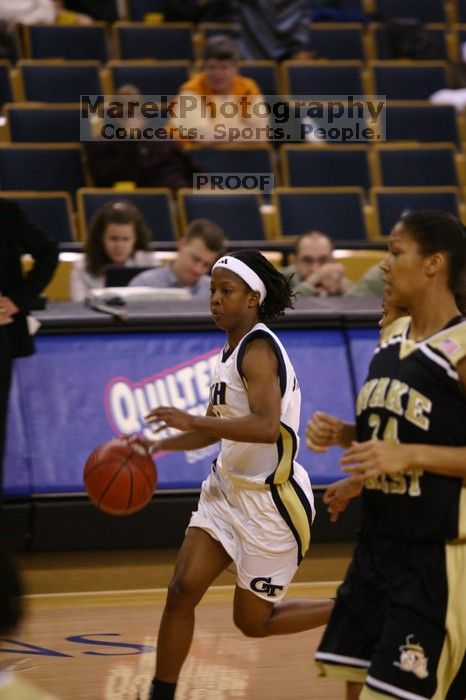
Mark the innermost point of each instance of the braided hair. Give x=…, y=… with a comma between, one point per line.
x=279, y=295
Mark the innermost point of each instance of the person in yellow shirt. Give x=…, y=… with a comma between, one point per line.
x=218, y=105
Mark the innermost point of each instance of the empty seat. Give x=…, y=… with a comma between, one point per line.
x=390, y=203
x=44, y=81
x=437, y=49
x=157, y=78
x=334, y=78
x=159, y=41
x=238, y=213
x=51, y=211
x=309, y=165
x=338, y=212
x=6, y=90
x=421, y=121
x=264, y=73
x=230, y=159
x=154, y=203
x=416, y=165
x=43, y=167
x=414, y=81
x=337, y=41
x=67, y=41
x=424, y=10
x=28, y=122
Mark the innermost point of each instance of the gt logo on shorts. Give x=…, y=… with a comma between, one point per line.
x=265, y=585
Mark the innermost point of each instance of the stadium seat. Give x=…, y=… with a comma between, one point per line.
x=390, y=203
x=337, y=41
x=155, y=78
x=51, y=211
x=423, y=10
x=421, y=121
x=139, y=9
x=416, y=80
x=437, y=35
x=313, y=165
x=172, y=41
x=42, y=167
x=238, y=213
x=301, y=78
x=419, y=165
x=229, y=158
x=338, y=212
x=29, y=122
x=264, y=73
x=6, y=90
x=49, y=81
x=155, y=204
x=70, y=42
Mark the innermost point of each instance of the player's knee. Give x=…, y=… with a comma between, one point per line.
x=181, y=590
x=251, y=628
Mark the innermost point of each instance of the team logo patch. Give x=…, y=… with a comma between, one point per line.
x=263, y=584
x=412, y=658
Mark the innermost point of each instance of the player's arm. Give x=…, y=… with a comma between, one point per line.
x=262, y=424
x=190, y=440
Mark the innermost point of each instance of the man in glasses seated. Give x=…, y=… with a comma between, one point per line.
x=314, y=271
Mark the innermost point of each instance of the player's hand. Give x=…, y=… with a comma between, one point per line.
x=323, y=431
x=370, y=459
x=150, y=446
x=338, y=495
x=169, y=417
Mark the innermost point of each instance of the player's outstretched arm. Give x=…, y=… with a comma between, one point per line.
x=324, y=431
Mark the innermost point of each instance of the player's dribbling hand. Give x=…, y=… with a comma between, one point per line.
x=150, y=446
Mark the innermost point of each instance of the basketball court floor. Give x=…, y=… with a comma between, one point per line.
x=92, y=618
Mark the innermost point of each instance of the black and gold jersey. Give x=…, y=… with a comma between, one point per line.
x=412, y=394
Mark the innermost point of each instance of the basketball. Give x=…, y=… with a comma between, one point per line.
x=120, y=478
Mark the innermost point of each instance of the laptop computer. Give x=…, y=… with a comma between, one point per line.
x=121, y=276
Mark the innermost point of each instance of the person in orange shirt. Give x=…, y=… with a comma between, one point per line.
x=218, y=105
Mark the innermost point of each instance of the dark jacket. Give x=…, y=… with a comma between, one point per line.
x=18, y=236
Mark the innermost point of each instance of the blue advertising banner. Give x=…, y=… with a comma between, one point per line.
x=79, y=391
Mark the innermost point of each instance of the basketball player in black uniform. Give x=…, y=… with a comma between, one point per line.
x=398, y=629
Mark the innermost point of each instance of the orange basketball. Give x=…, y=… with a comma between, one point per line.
x=120, y=478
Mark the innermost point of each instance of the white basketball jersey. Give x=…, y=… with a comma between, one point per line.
x=256, y=462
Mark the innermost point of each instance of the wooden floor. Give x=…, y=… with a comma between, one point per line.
x=90, y=630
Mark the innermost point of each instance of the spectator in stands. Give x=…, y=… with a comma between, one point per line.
x=118, y=235
x=202, y=244
x=39, y=11
x=18, y=294
x=370, y=284
x=12, y=685
x=273, y=29
x=315, y=272
x=201, y=115
x=146, y=163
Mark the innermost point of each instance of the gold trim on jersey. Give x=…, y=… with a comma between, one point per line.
x=341, y=672
x=451, y=343
x=297, y=514
x=462, y=514
x=395, y=329
x=286, y=445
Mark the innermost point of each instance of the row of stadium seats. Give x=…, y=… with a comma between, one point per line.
x=181, y=40
x=51, y=81
x=341, y=212
x=52, y=166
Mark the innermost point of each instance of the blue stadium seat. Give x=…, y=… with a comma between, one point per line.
x=51, y=211
x=28, y=122
x=171, y=41
x=155, y=78
x=421, y=121
x=6, y=91
x=338, y=212
x=421, y=165
x=331, y=79
x=238, y=213
x=424, y=10
x=437, y=34
x=341, y=41
x=416, y=81
x=264, y=73
x=59, y=82
x=73, y=42
x=312, y=165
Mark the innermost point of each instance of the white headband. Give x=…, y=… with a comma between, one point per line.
x=244, y=271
